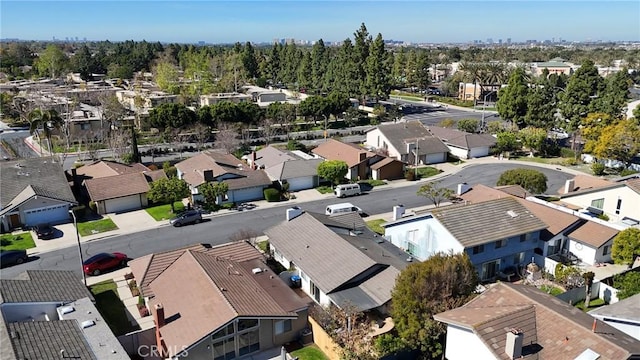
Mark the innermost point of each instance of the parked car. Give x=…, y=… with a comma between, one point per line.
x=13, y=257
x=44, y=231
x=187, y=217
x=98, y=263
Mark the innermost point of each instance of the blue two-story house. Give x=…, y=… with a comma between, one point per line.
x=496, y=234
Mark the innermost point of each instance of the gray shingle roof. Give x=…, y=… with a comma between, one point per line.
x=310, y=245
x=46, y=178
x=462, y=139
x=292, y=169
x=487, y=221
x=626, y=309
x=44, y=340
x=44, y=286
x=351, y=220
x=401, y=134
x=271, y=156
x=374, y=292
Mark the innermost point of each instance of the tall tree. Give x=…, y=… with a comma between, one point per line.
x=214, y=191
x=168, y=190
x=626, y=245
x=362, y=42
x=619, y=141
x=83, y=63
x=249, y=60
x=377, y=71
x=512, y=99
x=423, y=289
x=531, y=180
x=613, y=99
x=541, y=105
x=333, y=170
x=47, y=120
x=51, y=62
x=318, y=65
x=533, y=138
x=166, y=76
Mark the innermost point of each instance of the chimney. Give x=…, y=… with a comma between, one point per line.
x=398, y=212
x=513, y=346
x=208, y=175
x=569, y=186
x=254, y=166
x=293, y=213
x=158, y=316
x=463, y=188
x=363, y=156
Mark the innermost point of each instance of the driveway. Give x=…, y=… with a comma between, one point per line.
x=134, y=221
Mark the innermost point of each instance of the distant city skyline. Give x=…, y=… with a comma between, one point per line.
x=262, y=21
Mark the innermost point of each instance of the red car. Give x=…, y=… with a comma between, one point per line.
x=98, y=263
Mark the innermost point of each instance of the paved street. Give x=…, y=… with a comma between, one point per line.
x=218, y=229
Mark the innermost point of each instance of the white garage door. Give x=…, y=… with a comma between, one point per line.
x=250, y=194
x=436, y=158
x=50, y=214
x=301, y=183
x=122, y=204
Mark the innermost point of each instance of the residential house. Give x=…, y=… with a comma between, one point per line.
x=623, y=315
x=469, y=91
x=245, y=184
x=462, y=144
x=264, y=97
x=362, y=163
x=51, y=315
x=213, y=99
x=618, y=200
x=507, y=244
x=555, y=66
x=402, y=141
x=104, y=184
x=568, y=238
x=510, y=321
x=220, y=302
x=338, y=261
x=300, y=172
x=34, y=191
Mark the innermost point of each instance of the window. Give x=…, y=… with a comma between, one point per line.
x=315, y=291
x=86, y=126
x=606, y=250
x=518, y=258
x=249, y=342
x=478, y=249
x=412, y=248
x=226, y=331
x=618, y=206
x=283, y=326
x=523, y=238
x=597, y=203
x=244, y=324
x=225, y=349
x=490, y=269
x=501, y=243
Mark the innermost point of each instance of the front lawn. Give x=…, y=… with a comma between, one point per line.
x=552, y=290
x=426, y=171
x=311, y=352
x=111, y=307
x=325, y=189
x=374, y=225
x=96, y=227
x=21, y=241
x=593, y=304
x=373, y=183
x=163, y=212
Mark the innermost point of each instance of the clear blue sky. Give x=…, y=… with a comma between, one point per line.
x=262, y=21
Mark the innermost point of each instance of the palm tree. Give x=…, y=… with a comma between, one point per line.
x=47, y=120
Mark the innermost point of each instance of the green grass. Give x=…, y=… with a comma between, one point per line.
x=325, y=189
x=263, y=245
x=163, y=212
x=21, y=241
x=375, y=226
x=593, y=304
x=427, y=171
x=311, y=352
x=96, y=226
x=111, y=307
x=552, y=290
x=373, y=182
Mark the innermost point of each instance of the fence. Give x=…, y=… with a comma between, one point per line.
x=578, y=294
x=324, y=341
x=140, y=343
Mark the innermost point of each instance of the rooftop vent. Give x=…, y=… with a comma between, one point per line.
x=512, y=213
x=256, y=270
x=409, y=259
x=87, y=324
x=15, y=335
x=67, y=310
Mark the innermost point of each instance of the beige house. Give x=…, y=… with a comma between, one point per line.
x=212, y=99
x=554, y=66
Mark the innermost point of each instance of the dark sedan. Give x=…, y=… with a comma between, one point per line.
x=44, y=231
x=99, y=263
x=12, y=257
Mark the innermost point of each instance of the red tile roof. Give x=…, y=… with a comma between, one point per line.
x=337, y=150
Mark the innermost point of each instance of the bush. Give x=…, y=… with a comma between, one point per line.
x=570, y=162
x=567, y=153
x=410, y=175
x=271, y=195
x=127, y=158
x=627, y=172
x=597, y=168
x=93, y=206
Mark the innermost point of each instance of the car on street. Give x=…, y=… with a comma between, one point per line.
x=186, y=218
x=101, y=262
x=44, y=231
x=13, y=257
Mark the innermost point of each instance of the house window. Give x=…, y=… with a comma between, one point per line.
x=518, y=258
x=226, y=331
x=501, y=243
x=303, y=275
x=606, y=250
x=523, y=238
x=597, y=203
x=85, y=126
x=490, y=269
x=315, y=291
x=249, y=342
x=478, y=249
x=412, y=248
x=618, y=206
x=225, y=349
x=283, y=326
x=244, y=324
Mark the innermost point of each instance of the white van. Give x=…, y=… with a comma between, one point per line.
x=342, y=209
x=345, y=190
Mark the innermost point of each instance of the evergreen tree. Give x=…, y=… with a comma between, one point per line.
x=512, y=99
x=377, y=81
x=583, y=87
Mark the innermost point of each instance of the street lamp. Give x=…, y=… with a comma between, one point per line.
x=484, y=102
x=75, y=223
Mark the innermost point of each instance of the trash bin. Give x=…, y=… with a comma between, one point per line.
x=296, y=282
x=307, y=336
